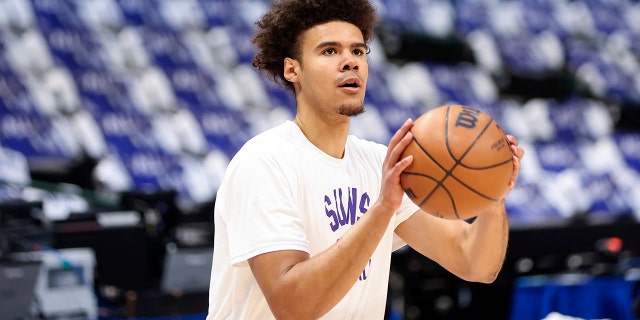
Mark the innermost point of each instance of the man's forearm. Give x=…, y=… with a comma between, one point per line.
x=486, y=243
x=323, y=280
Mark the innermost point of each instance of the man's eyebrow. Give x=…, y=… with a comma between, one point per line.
x=337, y=44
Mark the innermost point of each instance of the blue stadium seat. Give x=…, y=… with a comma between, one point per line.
x=212, y=50
x=279, y=96
x=241, y=39
x=433, y=18
x=28, y=52
x=126, y=132
x=140, y=13
x=609, y=80
x=225, y=129
x=14, y=169
x=103, y=90
x=17, y=15
x=576, y=118
x=572, y=20
x=528, y=207
x=191, y=179
x=402, y=15
x=608, y=200
x=36, y=136
x=166, y=48
x=471, y=15
x=151, y=171
x=99, y=15
x=53, y=14
x=182, y=15
x=608, y=16
x=579, y=51
x=11, y=85
x=527, y=39
x=73, y=48
x=629, y=145
x=536, y=17
x=557, y=155
x=219, y=12
x=463, y=84
x=381, y=96
x=195, y=89
x=530, y=54
x=143, y=162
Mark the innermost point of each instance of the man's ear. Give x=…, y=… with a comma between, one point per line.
x=291, y=67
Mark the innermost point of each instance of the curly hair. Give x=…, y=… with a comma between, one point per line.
x=279, y=30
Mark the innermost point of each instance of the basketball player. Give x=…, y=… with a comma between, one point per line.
x=307, y=216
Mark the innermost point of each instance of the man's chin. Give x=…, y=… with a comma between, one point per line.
x=351, y=110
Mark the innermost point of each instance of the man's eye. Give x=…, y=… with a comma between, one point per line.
x=330, y=51
x=360, y=52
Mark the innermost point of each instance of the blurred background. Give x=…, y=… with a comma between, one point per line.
x=118, y=118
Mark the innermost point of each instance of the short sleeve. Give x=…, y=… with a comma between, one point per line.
x=259, y=210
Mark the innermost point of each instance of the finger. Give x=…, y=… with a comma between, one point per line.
x=401, y=165
x=397, y=137
x=398, y=149
x=514, y=149
x=516, y=171
x=519, y=153
x=400, y=137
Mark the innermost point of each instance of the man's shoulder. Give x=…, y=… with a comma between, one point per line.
x=272, y=142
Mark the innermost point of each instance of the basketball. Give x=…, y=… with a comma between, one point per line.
x=462, y=162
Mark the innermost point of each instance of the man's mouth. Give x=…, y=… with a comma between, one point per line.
x=350, y=85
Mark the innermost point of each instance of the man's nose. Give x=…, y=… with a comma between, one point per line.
x=350, y=64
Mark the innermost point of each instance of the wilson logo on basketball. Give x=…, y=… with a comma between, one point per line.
x=467, y=118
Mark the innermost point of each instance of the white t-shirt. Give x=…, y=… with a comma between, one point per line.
x=280, y=192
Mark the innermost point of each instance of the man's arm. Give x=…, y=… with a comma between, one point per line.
x=297, y=286
x=474, y=252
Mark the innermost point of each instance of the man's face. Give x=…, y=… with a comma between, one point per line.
x=333, y=70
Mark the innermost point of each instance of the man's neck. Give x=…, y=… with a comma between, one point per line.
x=330, y=137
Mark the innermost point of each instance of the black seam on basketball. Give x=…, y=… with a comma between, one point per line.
x=487, y=167
x=474, y=190
x=411, y=173
x=453, y=201
x=446, y=143
x=459, y=161
x=439, y=185
x=440, y=182
x=427, y=153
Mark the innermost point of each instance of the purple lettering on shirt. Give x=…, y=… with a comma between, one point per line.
x=331, y=214
x=340, y=214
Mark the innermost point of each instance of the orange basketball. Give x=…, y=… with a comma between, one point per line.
x=462, y=162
